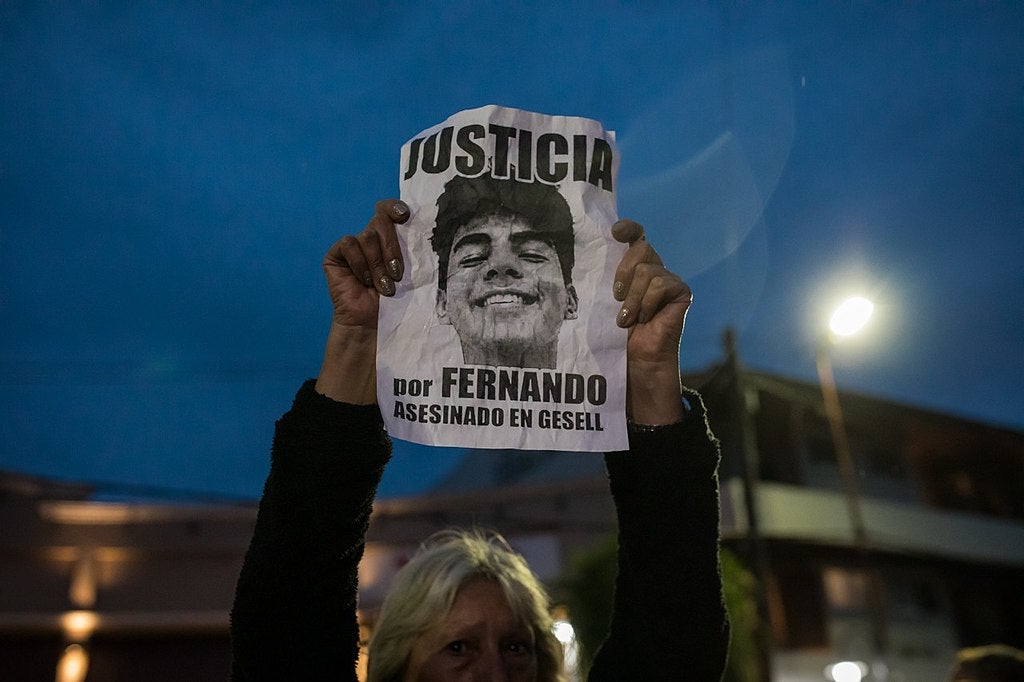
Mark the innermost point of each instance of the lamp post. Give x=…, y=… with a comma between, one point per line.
x=849, y=318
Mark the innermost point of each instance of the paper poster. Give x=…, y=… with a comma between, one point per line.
x=502, y=333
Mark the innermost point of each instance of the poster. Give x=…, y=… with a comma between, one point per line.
x=502, y=333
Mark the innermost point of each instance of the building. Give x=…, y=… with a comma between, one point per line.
x=925, y=555
x=145, y=587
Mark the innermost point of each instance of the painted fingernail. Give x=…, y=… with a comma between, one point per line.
x=623, y=316
x=399, y=208
x=618, y=289
x=394, y=269
x=387, y=287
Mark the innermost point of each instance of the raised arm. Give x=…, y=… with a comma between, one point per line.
x=294, y=615
x=669, y=619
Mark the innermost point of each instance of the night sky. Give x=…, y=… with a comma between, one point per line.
x=171, y=174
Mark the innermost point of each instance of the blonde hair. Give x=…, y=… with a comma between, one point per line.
x=424, y=590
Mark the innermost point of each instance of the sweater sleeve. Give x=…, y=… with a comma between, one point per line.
x=669, y=618
x=294, y=615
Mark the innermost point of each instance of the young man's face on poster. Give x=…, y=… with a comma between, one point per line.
x=505, y=293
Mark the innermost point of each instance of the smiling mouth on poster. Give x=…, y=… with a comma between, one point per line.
x=502, y=333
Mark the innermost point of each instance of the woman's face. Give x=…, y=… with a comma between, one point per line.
x=479, y=639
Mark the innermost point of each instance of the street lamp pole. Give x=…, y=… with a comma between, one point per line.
x=848, y=319
x=834, y=415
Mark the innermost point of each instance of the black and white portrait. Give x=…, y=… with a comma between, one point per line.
x=505, y=258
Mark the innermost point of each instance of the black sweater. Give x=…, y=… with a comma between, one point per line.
x=294, y=616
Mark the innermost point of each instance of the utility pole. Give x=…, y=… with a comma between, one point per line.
x=851, y=491
x=757, y=550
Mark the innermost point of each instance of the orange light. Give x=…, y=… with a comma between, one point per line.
x=78, y=626
x=73, y=665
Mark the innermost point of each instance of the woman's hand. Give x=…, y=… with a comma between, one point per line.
x=654, y=304
x=359, y=269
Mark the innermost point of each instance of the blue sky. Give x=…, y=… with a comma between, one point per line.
x=171, y=174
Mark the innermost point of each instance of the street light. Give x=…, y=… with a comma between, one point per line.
x=849, y=318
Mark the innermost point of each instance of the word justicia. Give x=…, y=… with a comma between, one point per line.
x=513, y=153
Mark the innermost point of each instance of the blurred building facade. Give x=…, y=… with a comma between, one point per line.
x=115, y=591
x=145, y=588
x=939, y=558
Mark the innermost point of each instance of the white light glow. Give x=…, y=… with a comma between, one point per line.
x=566, y=635
x=845, y=671
x=564, y=631
x=851, y=315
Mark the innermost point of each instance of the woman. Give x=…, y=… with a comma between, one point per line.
x=466, y=603
x=295, y=607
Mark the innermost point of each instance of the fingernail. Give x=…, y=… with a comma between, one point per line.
x=394, y=269
x=399, y=208
x=386, y=285
x=618, y=289
x=623, y=316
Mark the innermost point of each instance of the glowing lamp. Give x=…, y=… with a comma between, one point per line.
x=851, y=315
